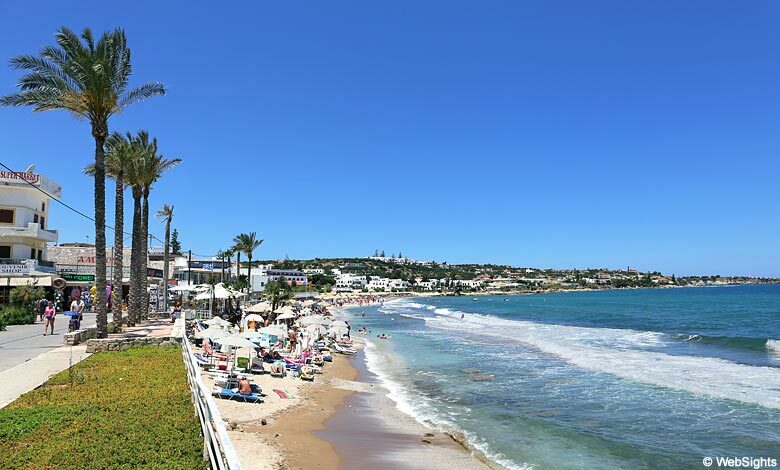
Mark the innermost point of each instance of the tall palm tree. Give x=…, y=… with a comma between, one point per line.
x=248, y=243
x=229, y=255
x=119, y=155
x=90, y=80
x=150, y=166
x=136, y=176
x=158, y=166
x=166, y=214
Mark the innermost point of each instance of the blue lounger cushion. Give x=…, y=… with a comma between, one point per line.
x=228, y=394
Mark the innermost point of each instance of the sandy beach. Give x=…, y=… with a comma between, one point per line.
x=341, y=420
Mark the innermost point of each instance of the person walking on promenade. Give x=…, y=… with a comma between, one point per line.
x=40, y=307
x=48, y=316
x=78, y=306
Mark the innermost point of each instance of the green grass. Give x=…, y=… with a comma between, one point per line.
x=128, y=409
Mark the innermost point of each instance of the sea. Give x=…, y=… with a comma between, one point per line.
x=634, y=378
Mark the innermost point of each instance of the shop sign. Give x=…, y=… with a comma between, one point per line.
x=14, y=269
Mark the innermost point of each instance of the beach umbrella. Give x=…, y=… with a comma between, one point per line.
x=311, y=320
x=286, y=316
x=283, y=310
x=327, y=322
x=253, y=317
x=338, y=331
x=236, y=341
x=338, y=324
x=211, y=333
x=250, y=334
x=274, y=330
x=309, y=303
x=216, y=320
x=316, y=330
x=262, y=307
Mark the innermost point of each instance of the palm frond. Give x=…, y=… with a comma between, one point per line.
x=141, y=93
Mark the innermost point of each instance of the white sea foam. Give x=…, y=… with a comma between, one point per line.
x=421, y=409
x=773, y=345
x=614, y=351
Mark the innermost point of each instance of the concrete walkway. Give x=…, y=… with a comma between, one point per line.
x=33, y=373
x=20, y=343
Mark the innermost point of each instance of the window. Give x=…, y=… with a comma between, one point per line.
x=35, y=218
x=43, y=222
x=5, y=251
x=32, y=253
x=43, y=206
x=6, y=216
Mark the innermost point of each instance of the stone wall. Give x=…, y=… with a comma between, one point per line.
x=120, y=344
x=79, y=336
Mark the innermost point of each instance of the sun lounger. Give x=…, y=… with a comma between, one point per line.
x=202, y=361
x=227, y=394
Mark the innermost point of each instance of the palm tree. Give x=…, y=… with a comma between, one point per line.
x=89, y=80
x=211, y=280
x=229, y=255
x=248, y=243
x=158, y=165
x=119, y=155
x=166, y=214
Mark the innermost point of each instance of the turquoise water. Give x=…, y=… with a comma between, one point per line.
x=651, y=378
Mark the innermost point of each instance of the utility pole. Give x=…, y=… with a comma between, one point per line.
x=189, y=268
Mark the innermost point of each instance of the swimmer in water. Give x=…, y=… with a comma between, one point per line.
x=462, y=315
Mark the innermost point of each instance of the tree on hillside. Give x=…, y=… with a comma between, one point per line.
x=175, y=244
x=90, y=80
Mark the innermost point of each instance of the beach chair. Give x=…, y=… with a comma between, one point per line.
x=256, y=366
x=202, y=361
x=242, y=363
x=227, y=394
x=209, y=351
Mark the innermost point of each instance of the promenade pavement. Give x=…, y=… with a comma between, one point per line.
x=21, y=343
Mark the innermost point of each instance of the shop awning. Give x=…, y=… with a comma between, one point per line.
x=13, y=281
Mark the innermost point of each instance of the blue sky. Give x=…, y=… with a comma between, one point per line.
x=554, y=134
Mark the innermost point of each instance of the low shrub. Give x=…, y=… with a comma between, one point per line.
x=15, y=315
x=128, y=409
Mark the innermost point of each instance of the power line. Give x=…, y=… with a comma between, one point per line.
x=51, y=196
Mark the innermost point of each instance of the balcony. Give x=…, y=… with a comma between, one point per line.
x=32, y=230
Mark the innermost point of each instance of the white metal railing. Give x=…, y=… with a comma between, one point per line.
x=221, y=453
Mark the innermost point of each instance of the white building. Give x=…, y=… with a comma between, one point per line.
x=351, y=281
x=24, y=212
x=313, y=271
x=24, y=229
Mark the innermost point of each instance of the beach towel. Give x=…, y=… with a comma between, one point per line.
x=283, y=394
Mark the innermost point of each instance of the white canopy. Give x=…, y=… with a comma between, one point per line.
x=220, y=292
x=312, y=320
x=261, y=307
x=274, y=330
x=236, y=341
x=286, y=316
x=253, y=317
x=338, y=331
x=338, y=324
x=283, y=310
x=211, y=333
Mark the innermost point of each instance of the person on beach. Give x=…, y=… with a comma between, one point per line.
x=48, y=317
x=244, y=387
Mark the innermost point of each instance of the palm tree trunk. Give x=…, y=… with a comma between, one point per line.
x=135, y=265
x=249, y=277
x=119, y=226
x=145, y=257
x=100, y=232
x=165, y=263
x=238, y=276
